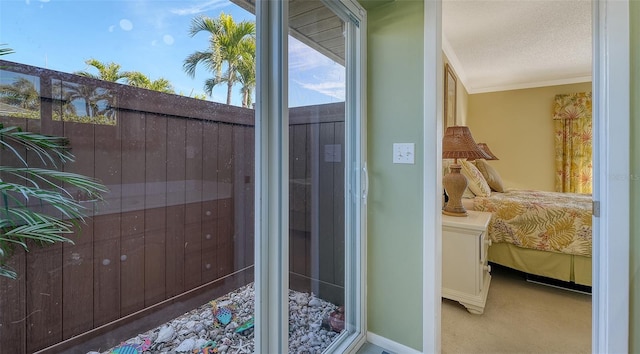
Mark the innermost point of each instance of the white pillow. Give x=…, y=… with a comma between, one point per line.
x=477, y=184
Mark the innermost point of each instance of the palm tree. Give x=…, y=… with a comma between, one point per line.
x=106, y=71
x=21, y=93
x=138, y=79
x=20, y=223
x=228, y=43
x=247, y=74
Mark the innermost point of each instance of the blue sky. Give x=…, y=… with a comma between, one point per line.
x=150, y=36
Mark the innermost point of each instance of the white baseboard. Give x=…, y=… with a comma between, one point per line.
x=390, y=345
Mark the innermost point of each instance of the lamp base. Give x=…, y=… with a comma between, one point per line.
x=454, y=184
x=453, y=213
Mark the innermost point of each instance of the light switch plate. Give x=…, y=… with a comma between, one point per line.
x=404, y=153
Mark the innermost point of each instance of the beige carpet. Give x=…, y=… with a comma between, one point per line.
x=520, y=317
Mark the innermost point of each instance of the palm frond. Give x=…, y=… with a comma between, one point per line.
x=87, y=185
x=47, y=148
x=8, y=273
x=35, y=188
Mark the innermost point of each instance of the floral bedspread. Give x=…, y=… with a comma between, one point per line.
x=547, y=221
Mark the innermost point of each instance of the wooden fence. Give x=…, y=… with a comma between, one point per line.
x=178, y=221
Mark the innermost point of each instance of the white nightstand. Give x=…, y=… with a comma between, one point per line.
x=465, y=272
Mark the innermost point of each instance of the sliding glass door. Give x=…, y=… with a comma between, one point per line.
x=310, y=229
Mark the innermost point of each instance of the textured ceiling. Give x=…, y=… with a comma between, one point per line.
x=499, y=45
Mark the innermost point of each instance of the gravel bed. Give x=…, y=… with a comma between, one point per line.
x=219, y=325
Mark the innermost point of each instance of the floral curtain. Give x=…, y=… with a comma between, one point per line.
x=573, y=142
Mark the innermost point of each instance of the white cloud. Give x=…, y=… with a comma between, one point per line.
x=303, y=57
x=112, y=28
x=335, y=89
x=314, y=71
x=126, y=25
x=200, y=8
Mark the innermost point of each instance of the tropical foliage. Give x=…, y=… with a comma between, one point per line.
x=112, y=72
x=37, y=205
x=4, y=51
x=106, y=71
x=138, y=79
x=230, y=55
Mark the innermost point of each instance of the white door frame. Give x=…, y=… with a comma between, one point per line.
x=610, y=315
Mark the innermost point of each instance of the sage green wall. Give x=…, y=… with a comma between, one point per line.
x=517, y=126
x=634, y=285
x=395, y=111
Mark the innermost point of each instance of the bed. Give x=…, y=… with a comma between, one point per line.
x=547, y=234
x=542, y=233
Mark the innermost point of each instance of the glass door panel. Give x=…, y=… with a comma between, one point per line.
x=320, y=153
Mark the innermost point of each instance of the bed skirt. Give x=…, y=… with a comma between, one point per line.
x=565, y=267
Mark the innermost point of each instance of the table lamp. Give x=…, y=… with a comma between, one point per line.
x=486, y=150
x=458, y=143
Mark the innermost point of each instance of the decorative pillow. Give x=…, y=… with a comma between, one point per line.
x=477, y=184
x=468, y=194
x=490, y=175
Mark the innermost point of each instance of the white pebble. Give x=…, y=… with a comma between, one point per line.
x=166, y=334
x=186, y=346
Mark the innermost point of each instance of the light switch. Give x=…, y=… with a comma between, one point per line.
x=404, y=153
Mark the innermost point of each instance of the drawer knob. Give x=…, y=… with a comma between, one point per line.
x=488, y=242
x=487, y=268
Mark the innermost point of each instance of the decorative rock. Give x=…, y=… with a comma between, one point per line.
x=314, y=302
x=187, y=345
x=200, y=342
x=165, y=335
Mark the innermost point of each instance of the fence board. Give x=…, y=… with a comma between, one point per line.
x=155, y=211
x=78, y=310
x=44, y=297
x=106, y=226
x=193, y=214
x=13, y=313
x=249, y=196
x=326, y=226
x=338, y=205
x=132, y=222
x=226, y=183
x=176, y=189
x=209, y=237
x=106, y=277
x=243, y=206
x=132, y=262
x=298, y=212
x=77, y=315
